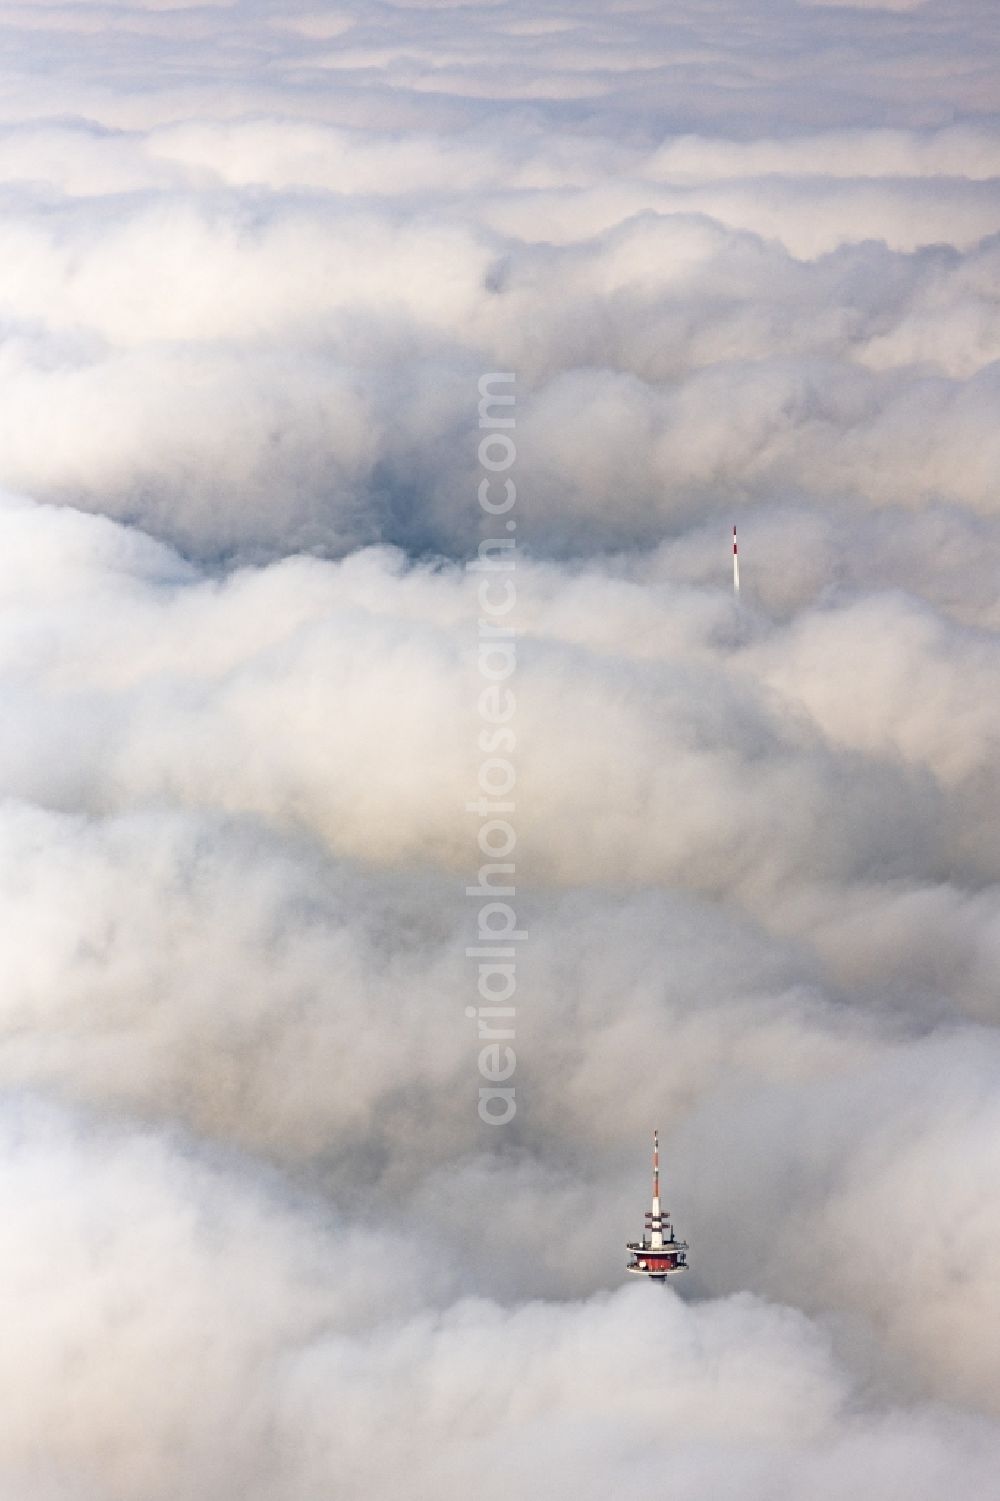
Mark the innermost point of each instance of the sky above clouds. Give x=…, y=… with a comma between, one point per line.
x=743, y=257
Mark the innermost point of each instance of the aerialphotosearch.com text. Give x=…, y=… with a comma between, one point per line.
x=497, y=934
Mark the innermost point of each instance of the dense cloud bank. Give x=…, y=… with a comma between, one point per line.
x=278, y=1364
x=255, y=1240
x=253, y=258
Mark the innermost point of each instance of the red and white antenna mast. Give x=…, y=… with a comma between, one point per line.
x=736, y=566
x=654, y=1219
x=659, y=1254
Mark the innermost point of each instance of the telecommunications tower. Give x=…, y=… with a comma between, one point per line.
x=659, y=1254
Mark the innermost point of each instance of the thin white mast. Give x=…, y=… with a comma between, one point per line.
x=656, y=1220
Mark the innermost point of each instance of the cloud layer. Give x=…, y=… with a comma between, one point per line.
x=256, y=1241
x=253, y=325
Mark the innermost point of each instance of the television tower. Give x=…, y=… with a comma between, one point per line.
x=659, y=1254
x=736, y=566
